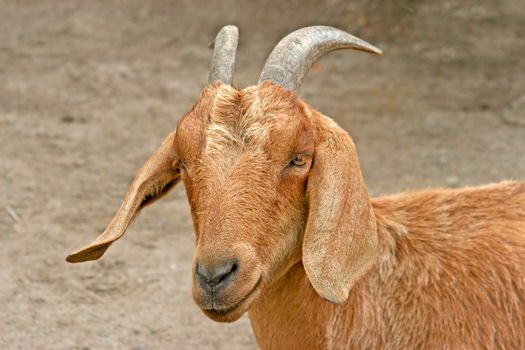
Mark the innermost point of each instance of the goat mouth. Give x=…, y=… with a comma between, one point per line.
x=223, y=311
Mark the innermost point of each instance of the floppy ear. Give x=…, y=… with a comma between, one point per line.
x=157, y=176
x=340, y=240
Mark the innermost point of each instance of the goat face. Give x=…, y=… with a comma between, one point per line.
x=271, y=183
x=245, y=157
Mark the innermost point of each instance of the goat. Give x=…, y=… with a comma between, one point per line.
x=285, y=229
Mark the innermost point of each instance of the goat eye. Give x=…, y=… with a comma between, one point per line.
x=299, y=160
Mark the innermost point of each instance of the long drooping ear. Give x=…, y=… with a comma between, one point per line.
x=340, y=240
x=157, y=176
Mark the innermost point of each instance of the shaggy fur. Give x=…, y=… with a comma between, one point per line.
x=276, y=186
x=450, y=274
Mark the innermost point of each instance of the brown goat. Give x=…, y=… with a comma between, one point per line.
x=286, y=231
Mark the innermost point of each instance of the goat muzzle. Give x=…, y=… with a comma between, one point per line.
x=224, y=284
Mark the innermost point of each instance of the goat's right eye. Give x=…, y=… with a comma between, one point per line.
x=299, y=160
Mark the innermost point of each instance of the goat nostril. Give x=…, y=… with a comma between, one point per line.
x=212, y=276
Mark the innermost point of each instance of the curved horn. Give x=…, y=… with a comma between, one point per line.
x=293, y=56
x=224, y=50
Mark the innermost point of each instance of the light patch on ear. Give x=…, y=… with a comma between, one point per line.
x=338, y=256
x=332, y=291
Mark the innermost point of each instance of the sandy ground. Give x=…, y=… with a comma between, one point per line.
x=88, y=89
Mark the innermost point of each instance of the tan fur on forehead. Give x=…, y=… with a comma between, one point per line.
x=242, y=117
x=269, y=99
x=225, y=105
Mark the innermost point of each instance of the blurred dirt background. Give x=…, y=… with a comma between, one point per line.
x=88, y=89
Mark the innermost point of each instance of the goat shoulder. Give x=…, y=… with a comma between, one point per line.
x=449, y=274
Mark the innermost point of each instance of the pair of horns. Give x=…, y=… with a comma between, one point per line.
x=290, y=60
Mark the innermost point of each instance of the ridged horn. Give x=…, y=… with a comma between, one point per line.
x=293, y=56
x=224, y=50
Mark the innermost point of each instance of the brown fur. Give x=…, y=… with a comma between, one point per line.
x=450, y=274
x=437, y=269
